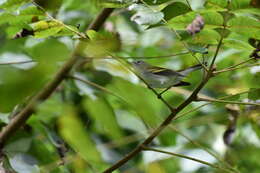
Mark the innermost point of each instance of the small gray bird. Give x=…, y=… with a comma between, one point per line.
x=158, y=77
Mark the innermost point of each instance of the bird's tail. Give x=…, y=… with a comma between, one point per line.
x=190, y=69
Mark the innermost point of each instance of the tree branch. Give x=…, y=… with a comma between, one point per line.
x=187, y=157
x=235, y=68
x=20, y=119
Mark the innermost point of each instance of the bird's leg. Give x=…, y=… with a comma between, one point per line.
x=160, y=94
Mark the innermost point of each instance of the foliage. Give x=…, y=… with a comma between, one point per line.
x=102, y=111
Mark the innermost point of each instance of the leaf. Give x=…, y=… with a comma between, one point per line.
x=254, y=94
x=17, y=84
x=49, y=5
x=203, y=37
x=100, y=44
x=20, y=145
x=223, y=32
x=50, y=50
x=226, y=16
x=24, y=163
x=102, y=113
x=141, y=100
x=175, y=9
x=240, y=4
x=48, y=32
x=245, y=26
x=76, y=136
x=12, y=4
x=211, y=18
x=31, y=10
x=145, y=15
x=217, y=3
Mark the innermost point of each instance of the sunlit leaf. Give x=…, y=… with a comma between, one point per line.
x=103, y=114
x=245, y=26
x=145, y=15
x=100, y=44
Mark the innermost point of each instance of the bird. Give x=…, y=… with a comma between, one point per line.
x=159, y=77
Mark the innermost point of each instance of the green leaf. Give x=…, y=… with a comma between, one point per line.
x=212, y=19
x=246, y=26
x=100, y=44
x=19, y=145
x=254, y=94
x=141, y=100
x=72, y=130
x=49, y=5
x=223, y=32
x=17, y=84
x=32, y=10
x=102, y=113
x=50, y=50
x=175, y=9
x=216, y=3
x=48, y=32
x=240, y=4
x=12, y=4
x=203, y=37
x=226, y=16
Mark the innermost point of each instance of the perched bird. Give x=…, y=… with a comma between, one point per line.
x=158, y=77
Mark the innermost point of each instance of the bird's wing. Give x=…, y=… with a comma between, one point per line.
x=164, y=71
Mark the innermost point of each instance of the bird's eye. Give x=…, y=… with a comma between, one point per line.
x=138, y=62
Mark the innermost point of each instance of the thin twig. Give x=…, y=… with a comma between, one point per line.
x=188, y=3
x=141, y=57
x=203, y=148
x=235, y=68
x=187, y=157
x=243, y=62
x=227, y=101
x=18, y=62
x=197, y=108
x=211, y=67
x=98, y=87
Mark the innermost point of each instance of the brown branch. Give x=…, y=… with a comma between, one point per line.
x=20, y=119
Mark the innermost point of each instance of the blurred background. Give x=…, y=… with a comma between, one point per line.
x=102, y=111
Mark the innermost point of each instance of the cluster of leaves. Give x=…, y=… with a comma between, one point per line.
x=101, y=112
